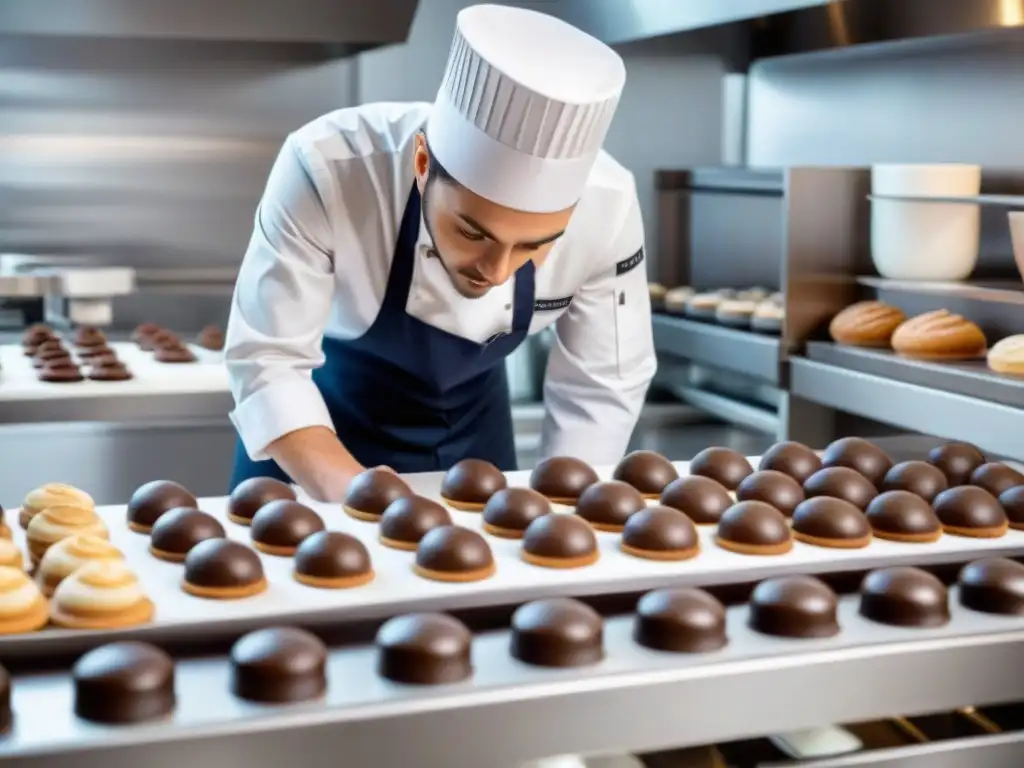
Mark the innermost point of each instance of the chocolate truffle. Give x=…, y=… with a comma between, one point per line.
x=371, y=492
x=904, y=597
x=62, y=371
x=178, y=530
x=408, y=519
x=562, y=479
x=841, y=483
x=647, y=471
x=794, y=606
x=559, y=632
x=754, y=528
x=827, y=522
x=223, y=569
x=701, y=499
x=920, y=477
x=470, y=483
x=859, y=455
x=1013, y=504
x=90, y=337
x=452, y=553
x=725, y=465
x=281, y=525
x=424, y=649
x=174, y=353
x=560, y=541
x=125, y=682
x=996, y=478
x=771, y=487
x=6, y=714
x=971, y=511
x=153, y=499
x=112, y=371
x=608, y=505
x=212, y=338
x=680, y=621
x=278, y=665
x=509, y=512
x=957, y=461
x=250, y=495
x=993, y=585
x=791, y=458
x=332, y=560
x=660, y=533
x=903, y=516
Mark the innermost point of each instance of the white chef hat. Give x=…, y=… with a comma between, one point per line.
x=524, y=107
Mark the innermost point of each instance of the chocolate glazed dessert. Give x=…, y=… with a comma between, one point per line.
x=333, y=560
x=177, y=531
x=828, y=522
x=841, y=483
x=971, y=511
x=791, y=458
x=724, y=465
x=754, y=528
x=454, y=554
x=860, y=455
x=957, y=461
x=1013, y=504
x=660, y=533
x=608, y=506
x=562, y=479
x=558, y=632
x=154, y=499
x=647, y=471
x=701, y=499
x=371, y=492
x=251, y=495
x=408, y=519
x=125, y=682
x=560, y=541
x=279, y=665
x=680, y=621
x=994, y=585
x=794, y=606
x=903, y=516
x=920, y=477
x=470, y=484
x=509, y=512
x=772, y=487
x=424, y=649
x=904, y=597
x=996, y=478
x=282, y=525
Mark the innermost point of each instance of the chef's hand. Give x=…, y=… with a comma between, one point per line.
x=316, y=460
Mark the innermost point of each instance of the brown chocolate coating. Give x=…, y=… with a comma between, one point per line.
x=154, y=499
x=859, y=455
x=905, y=597
x=791, y=458
x=473, y=481
x=1013, y=504
x=250, y=495
x=451, y=549
x=969, y=507
x=212, y=338
x=332, y=555
x=424, y=649
x=772, y=487
x=409, y=518
x=222, y=563
x=755, y=524
x=794, y=606
x=660, y=530
x=6, y=713
x=93, y=353
x=608, y=505
x=372, y=491
x=165, y=338
x=680, y=621
x=920, y=477
x=61, y=371
x=145, y=331
x=841, y=483
x=36, y=335
x=124, y=682
x=513, y=509
x=110, y=371
x=957, y=461
x=278, y=665
x=993, y=585
x=283, y=524
x=558, y=632
x=725, y=465
x=90, y=337
x=46, y=354
x=562, y=477
x=996, y=478
x=830, y=519
x=902, y=513
x=701, y=499
x=178, y=530
x=560, y=537
x=647, y=471
x=174, y=353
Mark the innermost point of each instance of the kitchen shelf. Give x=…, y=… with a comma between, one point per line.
x=755, y=355
x=1001, y=291
x=999, y=201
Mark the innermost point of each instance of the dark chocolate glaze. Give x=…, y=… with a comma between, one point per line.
x=473, y=481
x=110, y=371
x=1013, y=504
x=212, y=338
x=174, y=353
x=957, y=461
x=372, y=491
x=219, y=563
x=754, y=523
x=904, y=596
x=124, y=682
x=453, y=549
x=794, y=606
x=562, y=477
x=90, y=337
x=660, y=529
x=610, y=503
x=178, y=530
x=996, y=478
x=647, y=471
x=6, y=713
x=859, y=455
x=841, y=483
x=155, y=498
x=725, y=465
x=424, y=649
x=61, y=371
x=902, y=513
x=772, y=487
x=284, y=523
x=832, y=519
x=563, y=537
x=701, y=499
x=36, y=335
x=515, y=508
x=145, y=331
x=92, y=353
x=558, y=632
x=409, y=518
x=791, y=458
x=250, y=495
x=278, y=665
x=332, y=555
x=680, y=620
x=969, y=506
x=993, y=585
x=920, y=477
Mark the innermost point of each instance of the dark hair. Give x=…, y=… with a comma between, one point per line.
x=437, y=171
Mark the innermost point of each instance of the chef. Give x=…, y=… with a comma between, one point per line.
x=402, y=251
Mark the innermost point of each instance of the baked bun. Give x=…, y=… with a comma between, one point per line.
x=939, y=335
x=866, y=324
x=1007, y=355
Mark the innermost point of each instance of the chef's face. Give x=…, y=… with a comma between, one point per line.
x=480, y=243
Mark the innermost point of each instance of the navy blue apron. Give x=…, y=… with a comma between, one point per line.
x=411, y=396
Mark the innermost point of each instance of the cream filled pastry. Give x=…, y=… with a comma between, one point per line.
x=5, y=529
x=102, y=594
x=52, y=495
x=10, y=555
x=68, y=555
x=22, y=606
x=57, y=523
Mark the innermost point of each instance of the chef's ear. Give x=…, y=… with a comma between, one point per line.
x=421, y=161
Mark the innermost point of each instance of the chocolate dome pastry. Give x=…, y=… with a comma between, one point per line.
x=222, y=569
x=828, y=522
x=61, y=371
x=174, y=353
x=126, y=682
x=451, y=553
x=109, y=371
x=754, y=528
x=794, y=606
x=660, y=533
x=841, y=483
x=371, y=492
x=560, y=541
x=250, y=495
x=608, y=505
x=509, y=512
x=36, y=335
x=859, y=455
x=996, y=478
x=562, y=479
x=153, y=499
x=903, y=516
x=279, y=665
x=470, y=483
x=647, y=471
x=165, y=338
x=282, y=525
x=920, y=477
x=145, y=334
x=89, y=337
x=680, y=621
x=701, y=499
x=957, y=461
x=178, y=530
x=725, y=465
x=45, y=355
x=904, y=597
x=1013, y=504
x=92, y=353
x=424, y=649
x=559, y=632
x=971, y=511
x=772, y=487
x=332, y=560
x=791, y=458
x=993, y=585
x=212, y=338
x=408, y=519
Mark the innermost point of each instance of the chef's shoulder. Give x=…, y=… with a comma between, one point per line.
x=607, y=218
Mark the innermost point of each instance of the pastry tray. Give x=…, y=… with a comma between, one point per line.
x=867, y=670
x=397, y=589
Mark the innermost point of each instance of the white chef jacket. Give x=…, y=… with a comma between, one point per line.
x=319, y=259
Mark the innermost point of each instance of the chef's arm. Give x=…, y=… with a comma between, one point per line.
x=281, y=305
x=603, y=360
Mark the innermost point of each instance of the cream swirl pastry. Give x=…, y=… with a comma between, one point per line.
x=22, y=606
x=102, y=594
x=10, y=555
x=54, y=524
x=68, y=555
x=52, y=495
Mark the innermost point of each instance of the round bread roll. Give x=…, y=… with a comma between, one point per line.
x=1007, y=355
x=866, y=324
x=939, y=335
